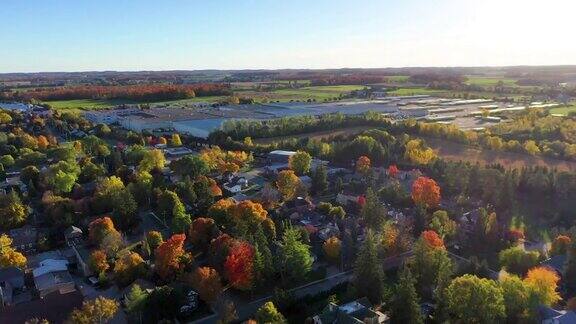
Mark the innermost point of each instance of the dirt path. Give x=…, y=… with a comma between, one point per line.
x=459, y=152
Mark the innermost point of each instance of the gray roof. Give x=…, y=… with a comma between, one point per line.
x=9, y=273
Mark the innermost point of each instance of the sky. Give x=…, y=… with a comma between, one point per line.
x=133, y=35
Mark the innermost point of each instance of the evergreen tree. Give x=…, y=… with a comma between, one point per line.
x=373, y=212
x=406, y=305
x=135, y=302
x=368, y=273
x=294, y=256
x=319, y=180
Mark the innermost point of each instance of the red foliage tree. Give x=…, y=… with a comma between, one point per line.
x=426, y=191
x=168, y=256
x=393, y=171
x=432, y=239
x=239, y=266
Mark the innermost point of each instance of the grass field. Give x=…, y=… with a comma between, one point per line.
x=93, y=104
x=415, y=91
x=397, y=78
x=318, y=93
x=565, y=110
x=489, y=81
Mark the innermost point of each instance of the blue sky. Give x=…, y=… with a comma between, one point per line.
x=72, y=35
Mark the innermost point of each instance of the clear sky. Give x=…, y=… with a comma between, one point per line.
x=78, y=35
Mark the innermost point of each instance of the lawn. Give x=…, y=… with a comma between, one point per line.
x=397, y=78
x=564, y=110
x=318, y=93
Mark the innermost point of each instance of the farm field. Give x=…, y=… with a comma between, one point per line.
x=489, y=81
x=92, y=104
x=397, y=78
x=565, y=110
x=415, y=91
x=459, y=152
x=317, y=93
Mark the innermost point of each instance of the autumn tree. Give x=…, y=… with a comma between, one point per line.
x=368, y=272
x=518, y=261
x=516, y=297
x=300, y=162
x=168, y=255
x=239, y=266
x=288, y=183
x=175, y=140
x=332, y=248
x=543, y=282
x=363, y=165
x=426, y=191
x=406, y=303
x=430, y=262
x=99, y=228
x=129, y=267
x=202, y=231
x=152, y=159
x=206, y=281
x=373, y=212
x=417, y=153
x=560, y=245
x=268, y=314
x=98, y=261
x=474, y=300
x=393, y=171
x=9, y=257
x=13, y=212
x=99, y=310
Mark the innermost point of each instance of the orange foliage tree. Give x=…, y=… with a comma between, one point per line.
x=560, y=244
x=168, y=255
x=98, y=261
x=43, y=142
x=426, y=191
x=432, y=239
x=332, y=248
x=544, y=283
x=128, y=268
x=363, y=164
x=239, y=266
x=249, y=212
x=206, y=281
x=99, y=228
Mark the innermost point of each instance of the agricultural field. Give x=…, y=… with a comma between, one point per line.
x=93, y=104
x=317, y=93
x=489, y=81
x=415, y=91
x=397, y=78
x=564, y=110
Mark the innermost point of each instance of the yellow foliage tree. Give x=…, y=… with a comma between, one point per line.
x=544, y=283
x=332, y=248
x=9, y=257
x=288, y=183
x=418, y=154
x=176, y=141
x=99, y=310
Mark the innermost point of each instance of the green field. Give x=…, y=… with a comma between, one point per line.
x=415, y=91
x=317, y=93
x=397, y=78
x=91, y=104
x=565, y=110
x=489, y=81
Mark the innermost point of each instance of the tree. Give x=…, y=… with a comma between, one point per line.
x=393, y=171
x=153, y=159
x=268, y=314
x=152, y=240
x=531, y=147
x=516, y=297
x=319, y=180
x=42, y=142
x=129, y=267
x=180, y=219
x=570, y=267
x=206, y=281
x=5, y=118
x=288, y=183
x=332, y=248
x=135, y=301
x=294, y=255
x=560, y=245
x=239, y=266
x=9, y=257
x=300, y=162
x=363, y=165
x=190, y=165
x=425, y=191
x=373, y=212
x=99, y=310
x=99, y=228
x=417, y=153
x=474, y=300
x=430, y=262
x=175, y=140
x=13, y=212
x=202, y=231
x=406, y=303
x=168, y=255
x=544, y=284
x=518, y=261
x=98, y=261
x=368, y=273
x=442, y=224
x=125, y=209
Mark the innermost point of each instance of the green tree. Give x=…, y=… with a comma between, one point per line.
x=12, y=211
x=190, y=165
x=268, y=314
x=373, y=212
x=368, y=273
x=474, y=300
x=406, y=303
x=125, y=209
x=319, y=180
x=294, y=256
x=180, y=219
x=300, y=162
x=442, y=224
x=516, y=298
x=518, y=261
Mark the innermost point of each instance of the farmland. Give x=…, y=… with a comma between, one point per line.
x=564, y=110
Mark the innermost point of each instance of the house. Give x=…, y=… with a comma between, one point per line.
x=346, y=197
x=236, y=185
x=298, y=205
x=13, y=183
x=358, y=311
x=328, y=231
x=280, y=156
x=551, y=316
x=52, y=275
x=176, y=152
x=11, y=278
x=24, y=239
